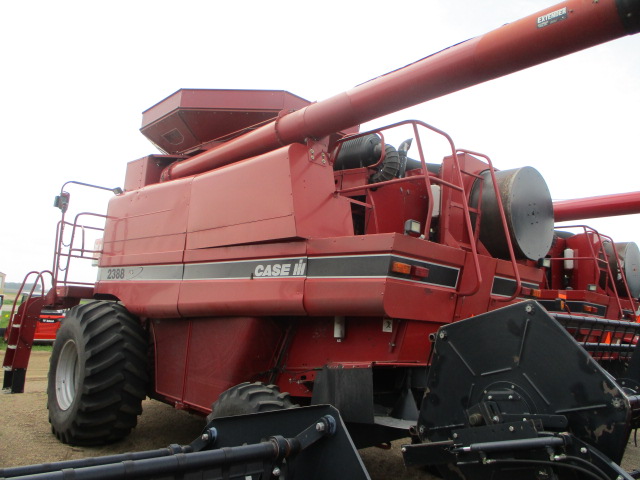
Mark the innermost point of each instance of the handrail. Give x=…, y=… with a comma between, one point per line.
x=60, y=252
x=505, y=227
x=428, y=179
x=611, y=280
x=39, y=277
x=64, y=252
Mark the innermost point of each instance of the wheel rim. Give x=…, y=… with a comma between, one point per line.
x=67, y=375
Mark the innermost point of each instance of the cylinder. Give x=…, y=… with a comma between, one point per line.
x=595, y=207
x=568, y=263
x=528, y=211
x=629, y=256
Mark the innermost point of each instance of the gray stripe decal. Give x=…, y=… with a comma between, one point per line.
x=379, y=266
x=358, y=266
x=141, y=273
x=343, y=267
x=275, y=267
x=504, y=287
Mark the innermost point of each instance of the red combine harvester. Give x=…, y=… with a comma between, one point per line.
x=273, y=248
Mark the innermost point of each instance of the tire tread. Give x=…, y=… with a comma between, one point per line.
x=114, y=378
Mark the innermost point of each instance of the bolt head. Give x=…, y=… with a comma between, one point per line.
x=205, y=437
x=583, y=450
x=496, y=419
x=455, y=435
x=403, y=450
x=511, y=428
x=276, y=472
x=320, y=427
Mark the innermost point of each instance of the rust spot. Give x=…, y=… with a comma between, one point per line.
x=613, y=391
x=598, y=432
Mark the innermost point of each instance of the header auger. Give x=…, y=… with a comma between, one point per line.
x=273, y=257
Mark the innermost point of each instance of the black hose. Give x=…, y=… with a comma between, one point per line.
x=389, y=168
x=366, y=151
x=589, y=464
x=584, y=471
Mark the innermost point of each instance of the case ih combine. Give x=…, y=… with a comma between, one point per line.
x=272, y=248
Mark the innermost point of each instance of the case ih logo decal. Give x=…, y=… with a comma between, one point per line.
x=553, y=17
x=281, y=269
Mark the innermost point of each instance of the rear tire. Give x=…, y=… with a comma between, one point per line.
x=98, y=375
x=249, y=398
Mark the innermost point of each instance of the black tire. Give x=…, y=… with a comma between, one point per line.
x=98, y=375
x=249, y=398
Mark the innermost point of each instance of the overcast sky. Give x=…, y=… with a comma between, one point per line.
x=77, y=74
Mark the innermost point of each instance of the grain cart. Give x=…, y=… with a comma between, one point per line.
x=274, y=248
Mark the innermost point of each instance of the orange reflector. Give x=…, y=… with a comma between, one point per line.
x=562, y=296
x=400, y=267
x=536, y=293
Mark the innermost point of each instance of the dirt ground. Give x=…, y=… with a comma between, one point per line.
x=25, y=435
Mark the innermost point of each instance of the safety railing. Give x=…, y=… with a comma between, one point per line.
x=457, y=185
x=20, y=332
x=73, y=239
x=75, y=248
x=599, y=258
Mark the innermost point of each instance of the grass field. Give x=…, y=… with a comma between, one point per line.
x=6, y=309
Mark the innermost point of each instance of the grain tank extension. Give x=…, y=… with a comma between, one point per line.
x=274, y=256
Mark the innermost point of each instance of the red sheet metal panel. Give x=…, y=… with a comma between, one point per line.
x=170, y=340
x=226, y=351
x=275, y=196
x=147, y=226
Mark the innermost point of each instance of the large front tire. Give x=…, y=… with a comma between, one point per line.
x=98, y=374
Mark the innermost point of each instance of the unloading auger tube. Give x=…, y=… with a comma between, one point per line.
x=554, y=32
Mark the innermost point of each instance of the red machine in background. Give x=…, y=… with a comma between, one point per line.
x=273, y=248
x=47, y=326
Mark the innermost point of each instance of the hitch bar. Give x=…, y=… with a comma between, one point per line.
x=217, y=453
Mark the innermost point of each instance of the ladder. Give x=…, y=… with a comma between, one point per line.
x=22, y=329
